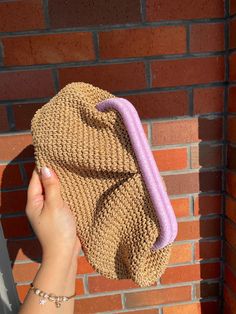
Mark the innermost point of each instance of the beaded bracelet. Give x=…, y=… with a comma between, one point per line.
x=49, y=296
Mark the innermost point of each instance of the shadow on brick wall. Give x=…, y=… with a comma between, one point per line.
x=204, y=275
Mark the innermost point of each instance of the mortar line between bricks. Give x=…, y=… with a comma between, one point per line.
x=148, y=73
x=96, y=63
x=191, y=205
x=96, y=45
x=189, y=156
x=16, y=162
x=111, y=27
x=55, y=80
x=225, y=125
x=85, y=281
x=137, y=290
x=190, y=103
x=123, y=299
x=23, y=174
x=160, y=306
x=1, y=53
x=105, y=294
x=10, y=118
x=188, y=38
x=143, y=11
x=179, y=219
x=193, y=291
x=210, y=116
x=125, y=93
x=46, y=14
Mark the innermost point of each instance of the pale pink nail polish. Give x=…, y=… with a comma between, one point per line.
x=46, y=173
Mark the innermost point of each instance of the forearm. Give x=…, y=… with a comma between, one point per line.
x=56, y=275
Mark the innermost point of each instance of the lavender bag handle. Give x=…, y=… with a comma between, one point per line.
x=148, y=169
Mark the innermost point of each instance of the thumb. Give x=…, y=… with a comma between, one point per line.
x=52, y=189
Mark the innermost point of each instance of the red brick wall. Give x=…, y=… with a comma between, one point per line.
x=170, y=59
x=230, y=197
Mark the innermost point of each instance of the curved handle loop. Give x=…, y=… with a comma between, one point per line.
x=148, y=169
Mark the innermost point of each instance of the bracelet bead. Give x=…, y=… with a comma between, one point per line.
x=44, y=296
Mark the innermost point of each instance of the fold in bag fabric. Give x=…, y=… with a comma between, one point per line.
x=96, y=147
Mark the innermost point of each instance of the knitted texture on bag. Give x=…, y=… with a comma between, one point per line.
x=91, y=153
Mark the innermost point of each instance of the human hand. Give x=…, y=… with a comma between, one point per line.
x=50, y=216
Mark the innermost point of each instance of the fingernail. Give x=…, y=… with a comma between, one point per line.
x=46, y=173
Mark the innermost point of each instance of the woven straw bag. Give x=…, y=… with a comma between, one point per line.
x=95, y=143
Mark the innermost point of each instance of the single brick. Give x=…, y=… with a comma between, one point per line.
x=13, y=201
x=206, y=155
x=232, y=67
x=10, y=176
x=210, y=129
x=28, y=15
x=102, y=284
x=79, y=286
x=207, y=204
x=232, y=34
x=186, y=131
x=193, y=308
x=86, y=13
x=231, y=156
x=156, y=297
x=196, y=229
x=184, y=257
x=16, y=147
x=230, y=232
x=182, y=183
x=207, y=249
x=231, y=183
x=25, y=272
x=48, y=48
x=24, y=249
x=140, y=42
x=171, y=159
x=230, y=279
x=107, y=76
x=160, y=104
x=231, y=134
x=207, y=289
x=83, y=266
x=183, y=9
x=207, y=37
x=3, y=119
x=190, y=273
x=232, y=7
x=232, y=99
x=210, y=181
x=29, y=167
x=193, y=182
x=98, y=304
x=230, y=256
x=14, y=227
x=175, y=132
x=187, y=71
x=23, y=114
x=26, y=84
x=229, y=300
x=22, y=291
x=154, y=311
x=180, y=206
x=230, y=208
x=207, y=100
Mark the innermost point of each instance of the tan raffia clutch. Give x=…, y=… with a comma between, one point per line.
x=95, y=143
